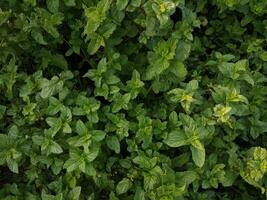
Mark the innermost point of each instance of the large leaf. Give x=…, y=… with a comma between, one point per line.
x=198, y=153
x=176, y=139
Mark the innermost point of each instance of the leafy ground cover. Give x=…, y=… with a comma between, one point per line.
x=133, y=99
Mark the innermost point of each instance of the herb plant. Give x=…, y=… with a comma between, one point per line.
x=133, y=99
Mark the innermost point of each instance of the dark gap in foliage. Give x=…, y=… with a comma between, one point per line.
x=153, y=98
x=30, y=63
x=203, y=57
x=100, y=51
x=197, y=31
x=239, y=16
x=116, y=172
x=242, y=143
x=261, y=140
x=237, y=43
x=102, y=100
x=77, y=63
x=74, y=61
x=124, y=152
x=250, y=28
x=209, y=11
x=206, y=95
x=177, y=15
x=88, y=185
x=171, y=153
x=245, y=191
x=235, y=192
x=6, y=175
x=42, y=3
x=104, y=194
x=264, y=47
x=209, y=50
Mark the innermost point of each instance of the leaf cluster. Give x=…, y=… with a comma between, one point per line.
x=133, y=99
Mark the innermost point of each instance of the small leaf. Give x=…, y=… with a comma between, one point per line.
x=52, y=5
x=139, y=194
x=198, y=153
x=183, y=50
x=121, y=4
x=13, y=166
x=55, y=148
x=51, y=87
x=98, y=135
x=96, y=42
x=81, y=128
x=70, y=3
x=2, y=111
x=75, y=193
x=71, y=165
x=136, y=3
x=37, y=35
x=263, y=56
x=112, y=196
x=176, y=139
x=123, y=186
x=149, y=181
x=113, y=143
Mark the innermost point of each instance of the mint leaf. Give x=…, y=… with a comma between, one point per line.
x=176, y=139
x=123, y=186
x=113, y=143
x=52, y=5
x=198, y=153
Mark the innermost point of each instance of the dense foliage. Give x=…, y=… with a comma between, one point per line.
x=133, y=99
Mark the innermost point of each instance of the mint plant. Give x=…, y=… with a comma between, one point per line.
x=133, y=99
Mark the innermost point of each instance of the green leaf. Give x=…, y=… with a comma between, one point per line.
x=70, y=3
x=71, y=165
x=96, y=15
x=4, y=15
x=13, y=166
x=157, y=68
x=59, y=60
x=121, y=4
x=98, y=135
x=54, y=123
x=121, y=102
x=136, y=3
x=37, y=35
x=183, y=50
x=112, y=196
x=123, y=186
x=145, y=162
x=150, y=181
x=113, y=143
x=186, y=177
x=55, y=148
x=139, y=194
x=96, y=42
x=54, y=106
x=52, y=5
x=176, y=139
x=81, y=128
x=92, y=153
x=38, y=140
x=51, y=87
x=263, y=56
x=192, y=86
x=179, y=70
x=50, y=21
x=198, y=153
x=241, y=65
x=2, y=111
x=75, y=193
